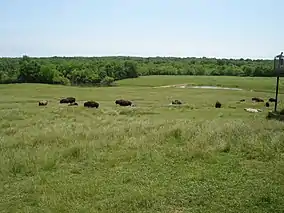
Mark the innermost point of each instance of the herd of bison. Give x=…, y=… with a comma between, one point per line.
x=71, y=101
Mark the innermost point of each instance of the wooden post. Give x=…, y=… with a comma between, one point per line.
x=276, y=94
x=278, y=69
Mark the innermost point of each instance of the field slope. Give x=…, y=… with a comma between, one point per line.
x=149, y=158
x=249, y=83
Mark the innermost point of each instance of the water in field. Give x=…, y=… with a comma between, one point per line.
x=203, y=87
x=212, y=87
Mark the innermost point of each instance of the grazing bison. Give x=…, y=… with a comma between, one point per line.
x=73, y=104
x=176, y=102
x=67, y=100
x=257, y=99
x=122, y=102
x=242, y=100
x=272, y=100
x=267, y=104
x=42, y=103
x=64, y=101
x=91, y=104
x=218, y=104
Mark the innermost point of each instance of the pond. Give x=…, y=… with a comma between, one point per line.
x=183, y=86
x=212, y=87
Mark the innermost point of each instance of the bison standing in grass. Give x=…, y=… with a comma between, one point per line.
x=91, y=104
x=122, y=102
x=272, y=100
x=67, y=100
x=42, y=103
x=73, y=104
x=176, y=102
x=218, y=104
x=257, y=99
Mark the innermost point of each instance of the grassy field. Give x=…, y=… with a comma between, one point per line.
x=249, y=83
x=149, y=158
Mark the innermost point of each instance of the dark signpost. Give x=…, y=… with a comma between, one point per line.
x=279, y=72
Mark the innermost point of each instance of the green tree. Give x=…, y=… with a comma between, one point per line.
x=130, y=69
x=107, y=81
x=29, y=70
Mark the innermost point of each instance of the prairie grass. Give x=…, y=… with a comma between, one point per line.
x=149, y=158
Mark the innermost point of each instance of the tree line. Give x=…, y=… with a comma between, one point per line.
x=106, y=70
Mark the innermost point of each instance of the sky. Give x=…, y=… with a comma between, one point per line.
x=179, y=28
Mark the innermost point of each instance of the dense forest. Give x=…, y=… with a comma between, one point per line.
x=106, y=70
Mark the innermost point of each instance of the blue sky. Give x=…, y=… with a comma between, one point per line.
x=185, y=28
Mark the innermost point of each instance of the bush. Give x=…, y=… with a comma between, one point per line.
x=107, y=81
x=61, y=80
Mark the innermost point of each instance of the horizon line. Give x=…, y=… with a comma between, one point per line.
x=140, y=56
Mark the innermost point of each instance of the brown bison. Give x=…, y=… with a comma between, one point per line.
x=218, y=104
x=122, y=102
x=91, y=104
x=176, y=102
x=267, y=104
x=67, y=100
x=272, y=100
x=257, y=100
x=73, y=104
x=42, y=103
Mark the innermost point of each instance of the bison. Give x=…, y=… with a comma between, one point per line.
x=73, y=104
x=122, y=102
x=176, y=102
x=218, y=104
x=67, y=100
x=267, y=104
x=257, y=99
x=42, y=103
x=272, y=100
x=91, y=104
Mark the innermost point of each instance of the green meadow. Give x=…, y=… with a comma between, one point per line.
x=152, y=157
